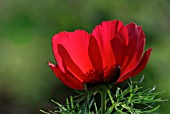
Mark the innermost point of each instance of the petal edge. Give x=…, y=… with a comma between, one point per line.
x=66, y=78
x=139, y=67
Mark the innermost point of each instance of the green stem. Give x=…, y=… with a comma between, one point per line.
x=103, y=94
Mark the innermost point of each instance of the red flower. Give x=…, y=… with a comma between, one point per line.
x=111, y=53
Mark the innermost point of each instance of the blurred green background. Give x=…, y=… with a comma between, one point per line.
x=26, y=26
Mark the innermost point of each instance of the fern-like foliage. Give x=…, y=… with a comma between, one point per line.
x=132, y=99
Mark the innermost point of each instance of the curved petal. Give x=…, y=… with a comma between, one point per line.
x=76, y=45
x=139, y=67
x=66, y=78
x=95, y=57
x=134, y=49
x=104, y=33
x=68, y=62
x=119, y=44
x=142, y=63
x=55, y=41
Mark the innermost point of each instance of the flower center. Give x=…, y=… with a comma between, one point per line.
x=112, y=74
x=109, y=75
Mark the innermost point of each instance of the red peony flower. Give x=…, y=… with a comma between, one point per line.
x=112, y=53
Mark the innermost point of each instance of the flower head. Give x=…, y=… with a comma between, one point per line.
x=113, y=52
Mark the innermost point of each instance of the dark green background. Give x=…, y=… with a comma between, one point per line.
x=26, y=26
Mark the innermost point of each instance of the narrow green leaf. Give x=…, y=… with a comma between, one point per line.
x=60, y=106
x=44, y=111
x=152, y=110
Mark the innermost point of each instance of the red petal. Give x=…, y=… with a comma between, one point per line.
x=142, y=63
x=70, y=64
x=104, y=33
x=55, y=41
x=119, y=44
x=67, y=78
x=74, y=50
x=135, y=48
x=95, y=57
x=139, y=67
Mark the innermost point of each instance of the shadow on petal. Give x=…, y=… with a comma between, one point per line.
x=95, y=57
x=66, y=78
x=113, y=73
x=70, y=64
x=139, y=67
